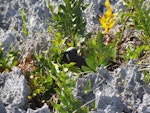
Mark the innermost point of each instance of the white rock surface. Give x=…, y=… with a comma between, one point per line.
x=14, y=90
x=123, y=91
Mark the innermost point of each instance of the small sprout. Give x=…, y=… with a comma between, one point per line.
x=24, y=26
x=29, y=97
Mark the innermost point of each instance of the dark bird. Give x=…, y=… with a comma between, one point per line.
x=71, y=55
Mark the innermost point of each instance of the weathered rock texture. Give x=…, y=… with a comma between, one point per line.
x=38, y=19
x=43, y=109
x=14, y=91
x=123, y=91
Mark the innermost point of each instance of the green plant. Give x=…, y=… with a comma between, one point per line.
x=41, y=81
x=9, y=60
x=68, y=19
x=48, y=64
x=41, y=78
x=52, y=76
x=131, y=53
x=138, y=13
x=146, y=76
x=98, y=54
x=66, y=83
x=137, y=17
x=24, y=25
x=88, y=87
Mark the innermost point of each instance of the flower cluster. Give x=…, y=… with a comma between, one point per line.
x=108, y=19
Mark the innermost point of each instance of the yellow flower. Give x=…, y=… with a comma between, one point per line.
x=107, y=4
x=108, y=19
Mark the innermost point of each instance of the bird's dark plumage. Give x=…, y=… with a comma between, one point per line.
x=71, y=55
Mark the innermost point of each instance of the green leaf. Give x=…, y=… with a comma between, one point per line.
x=86, y=69
x=75, y=69
x=14, y=62
x=90, y=64
x=58, y=107
x=99, y=40
x=69, y=65
x=24, y=26
x=23, y=15
x=62, y=7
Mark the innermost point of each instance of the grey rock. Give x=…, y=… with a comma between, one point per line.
x=14, y=109
x=43, y=109
x=122, y=91
x=144, y=106
x=38, y=19
x=2, y=107
x=11, y=38
x=92, y=82
x=87, y=82
x=98, y=111
x=37, y=45
x=14, y=91
x=109, y=101
x=33, y=9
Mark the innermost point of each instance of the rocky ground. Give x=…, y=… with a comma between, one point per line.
x=121, y=91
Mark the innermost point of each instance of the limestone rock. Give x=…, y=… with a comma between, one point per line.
x=14, y=90
x=43, y=109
